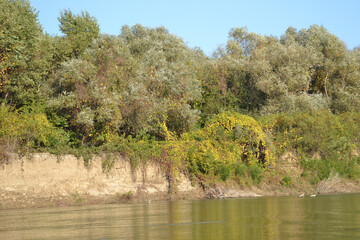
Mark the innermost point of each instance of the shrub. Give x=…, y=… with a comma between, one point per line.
x=241, y=135
x=240, y=169
x=29, y=128
x=323, y=141
x=286, y=181
x=255, y=173
x=224, y=171
x=108, y=163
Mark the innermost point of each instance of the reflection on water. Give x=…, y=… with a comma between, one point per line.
x=323, y=217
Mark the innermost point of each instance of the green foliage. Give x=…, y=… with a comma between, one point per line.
x=229, y=144
x=240, y=169
x=224, y=172
x=29, y=128
x=80, y=30
x=245, y=132
x=108, y=163
x=286, y=181
x=165, y=83
x=329, y=135
x=310, y=69
x=141, y=151
x=255, y=173
x=113, y=88
x=19, y=32
x=147, y=95
x=333, y=67
x=228, y=86
x=324, y=142
x=348, y=168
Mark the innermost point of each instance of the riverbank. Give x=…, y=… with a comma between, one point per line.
x=46, y=180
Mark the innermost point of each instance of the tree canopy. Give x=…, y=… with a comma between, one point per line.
x=93, y=85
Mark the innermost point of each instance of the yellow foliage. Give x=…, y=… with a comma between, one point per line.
x=228, y=140
x=252, y=142
x=169, y=135
x=30, y=128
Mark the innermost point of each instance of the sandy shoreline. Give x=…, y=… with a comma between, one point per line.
x=12, y=200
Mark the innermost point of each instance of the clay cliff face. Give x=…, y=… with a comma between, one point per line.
x=43, y=175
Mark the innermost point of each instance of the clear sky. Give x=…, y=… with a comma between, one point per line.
x=206, y=23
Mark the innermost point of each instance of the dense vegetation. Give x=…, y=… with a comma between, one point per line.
x=147, y=95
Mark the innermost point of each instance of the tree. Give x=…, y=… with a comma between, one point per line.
x=228, y=86
x=87, y=92
x=19, y=36
x=263, y=73
x=335, y=70
x=283, y=70
x=331, y=51
x=132, y=83
x=79, y=30
x=345, y=91
x=165, y=80
x=241, y=43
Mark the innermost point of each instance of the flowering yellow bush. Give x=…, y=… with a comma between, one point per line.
x=228, y=140
x=251, y=141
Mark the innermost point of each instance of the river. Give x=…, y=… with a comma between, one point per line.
x=321, y=217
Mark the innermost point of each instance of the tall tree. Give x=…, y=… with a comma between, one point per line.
x=79, y=30
x=335, y=71
x=19, y=36
x=132, y=84
x=166, y=77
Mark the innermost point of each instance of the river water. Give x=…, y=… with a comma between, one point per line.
x=321, y=217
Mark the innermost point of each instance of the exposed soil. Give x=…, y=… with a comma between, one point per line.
x=13, y=200
x=44, y=180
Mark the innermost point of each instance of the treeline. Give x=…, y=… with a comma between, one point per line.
x=89, y=90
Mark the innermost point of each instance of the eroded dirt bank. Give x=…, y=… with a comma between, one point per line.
x=46, y=180
x=42, y=179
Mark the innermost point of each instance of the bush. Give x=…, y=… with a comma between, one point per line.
x=255, y=173
x=29, y=128
x=286, y=181
x=323, y=141
x=240, y=169
x=224, y=172
x=229, y=143
x=239, y=135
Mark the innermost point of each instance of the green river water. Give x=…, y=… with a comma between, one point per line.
x=321, y=217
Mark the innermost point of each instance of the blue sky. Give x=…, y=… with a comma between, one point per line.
x=206, y=24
